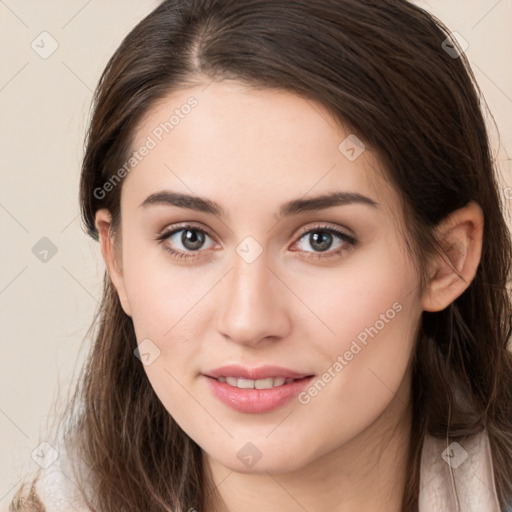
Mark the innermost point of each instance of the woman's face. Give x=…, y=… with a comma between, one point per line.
x=262, y=281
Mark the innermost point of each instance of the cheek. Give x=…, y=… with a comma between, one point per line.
x=373, y=314
x=166, y=301
x=164, y=308
x=374, y=293
x=160, y=292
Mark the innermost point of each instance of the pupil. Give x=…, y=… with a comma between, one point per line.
x=325, y=240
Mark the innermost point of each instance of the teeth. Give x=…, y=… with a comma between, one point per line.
x=242, y=383
x=232, y=381
x=245, y=383
x=268, y=383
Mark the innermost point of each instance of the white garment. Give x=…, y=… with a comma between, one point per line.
x=56, y=486
x=457, y=477
x=454, y=478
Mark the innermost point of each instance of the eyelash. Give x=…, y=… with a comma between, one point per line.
x=351, y=241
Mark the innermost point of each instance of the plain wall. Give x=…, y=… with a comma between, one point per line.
x=47, y=306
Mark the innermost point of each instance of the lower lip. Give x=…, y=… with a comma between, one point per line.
x=256, y=400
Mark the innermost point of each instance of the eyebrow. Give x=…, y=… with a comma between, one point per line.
x=292, y=207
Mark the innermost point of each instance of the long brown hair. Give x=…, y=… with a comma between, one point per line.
x=380, y=67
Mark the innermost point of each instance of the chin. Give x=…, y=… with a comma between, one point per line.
x=250, y=460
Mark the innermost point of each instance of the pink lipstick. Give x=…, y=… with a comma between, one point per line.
x=256, y=390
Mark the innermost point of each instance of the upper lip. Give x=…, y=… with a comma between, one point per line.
x=262, y=372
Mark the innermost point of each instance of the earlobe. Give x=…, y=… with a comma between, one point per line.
x=103, y=223
x=461, y=235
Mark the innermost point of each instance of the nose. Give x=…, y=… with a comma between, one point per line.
x=253, y=304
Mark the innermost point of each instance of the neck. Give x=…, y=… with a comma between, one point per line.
x=367, y=473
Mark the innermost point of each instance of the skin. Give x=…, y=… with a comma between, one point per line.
x=251, y=151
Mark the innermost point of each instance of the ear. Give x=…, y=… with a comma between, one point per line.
x=103, y=223
x=461, y=235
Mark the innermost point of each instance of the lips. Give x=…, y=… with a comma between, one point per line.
x=255, y=390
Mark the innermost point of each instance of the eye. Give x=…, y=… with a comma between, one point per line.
x=188, y=239
x=321, y=239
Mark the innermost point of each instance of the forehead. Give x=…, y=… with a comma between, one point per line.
x=229, y=142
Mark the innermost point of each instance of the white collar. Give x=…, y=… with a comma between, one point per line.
x=457, y=476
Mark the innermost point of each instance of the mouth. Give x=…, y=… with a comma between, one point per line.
x=257, y=390
x=269, y=383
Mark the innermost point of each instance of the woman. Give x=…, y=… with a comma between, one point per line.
x=305, y=303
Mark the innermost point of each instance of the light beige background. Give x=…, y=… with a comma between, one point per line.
x=47, y=307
